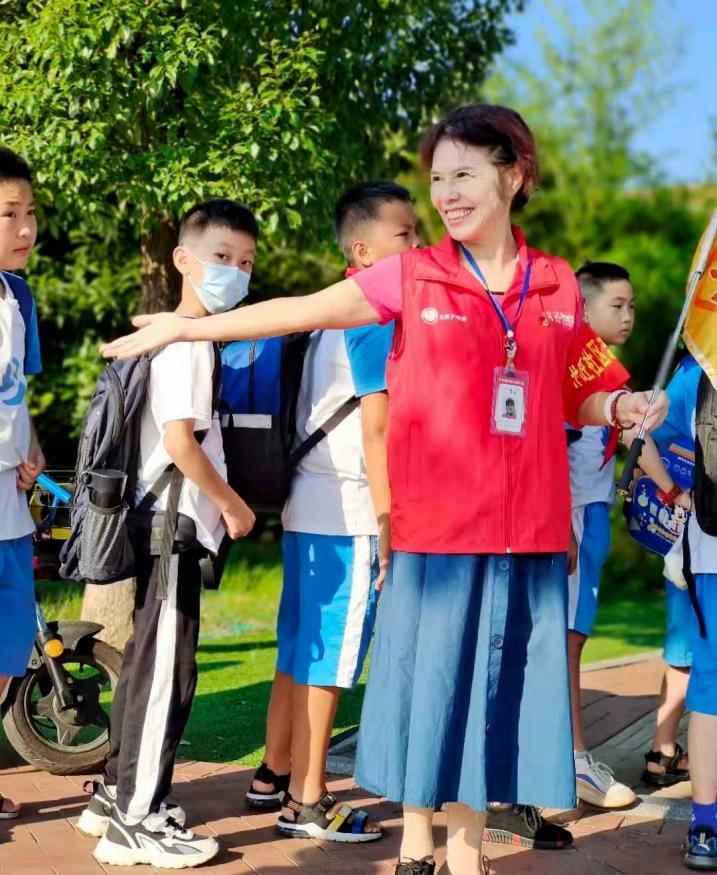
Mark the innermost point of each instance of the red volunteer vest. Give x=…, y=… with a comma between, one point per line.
x=456, y=487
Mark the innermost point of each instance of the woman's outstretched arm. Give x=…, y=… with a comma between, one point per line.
x=342, y=305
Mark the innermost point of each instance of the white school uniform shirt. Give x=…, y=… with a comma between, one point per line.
x=180, y=387
x=590, y=482
x=329, y=491
x=15, y=519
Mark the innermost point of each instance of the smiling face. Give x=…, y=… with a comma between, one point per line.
x=18, y=225
x=611, y=312
x=471, y=193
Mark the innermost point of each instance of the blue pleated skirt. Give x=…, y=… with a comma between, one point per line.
x=468, y=697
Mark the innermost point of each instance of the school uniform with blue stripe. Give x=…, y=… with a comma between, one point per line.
x=680, y=423
x=19, y=357
x=328, y=602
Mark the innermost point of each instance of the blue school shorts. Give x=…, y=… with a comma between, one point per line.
x=17, y=605
x=680, y=628
x=327, y=608
x=702, y=689
x=591, y=525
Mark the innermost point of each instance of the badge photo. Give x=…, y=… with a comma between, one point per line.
x=510, y=400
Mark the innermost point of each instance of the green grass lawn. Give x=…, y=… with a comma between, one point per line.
x=238, y=642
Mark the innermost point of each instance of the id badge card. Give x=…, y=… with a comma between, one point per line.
x=510, y=402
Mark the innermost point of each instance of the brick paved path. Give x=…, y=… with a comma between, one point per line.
x=45, y=840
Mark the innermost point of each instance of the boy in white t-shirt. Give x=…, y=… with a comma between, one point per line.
x=336, y=539
x=21, y=459
x=215, y=255
x=610, y=311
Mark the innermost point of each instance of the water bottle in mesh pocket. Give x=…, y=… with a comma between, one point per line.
x=106, y=554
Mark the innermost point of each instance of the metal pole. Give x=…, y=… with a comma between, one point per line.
x=668, y=356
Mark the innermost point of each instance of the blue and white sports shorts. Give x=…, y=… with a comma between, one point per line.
x=17, y=605
x=591, y=525
x=681, y=626
x=328, y=607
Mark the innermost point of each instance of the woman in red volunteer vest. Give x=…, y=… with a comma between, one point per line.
x=467, y=699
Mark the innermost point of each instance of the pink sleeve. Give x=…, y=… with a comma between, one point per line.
x=381, y=284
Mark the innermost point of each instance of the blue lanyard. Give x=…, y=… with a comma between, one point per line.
x=511, y=347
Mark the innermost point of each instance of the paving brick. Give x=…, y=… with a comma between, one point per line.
x=46, y=841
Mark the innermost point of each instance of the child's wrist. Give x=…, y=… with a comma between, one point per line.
x=670, y=496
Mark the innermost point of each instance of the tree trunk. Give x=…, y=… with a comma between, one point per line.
x=112, y=606
x=161, y=282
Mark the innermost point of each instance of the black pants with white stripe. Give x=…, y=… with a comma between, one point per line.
x=156, y=687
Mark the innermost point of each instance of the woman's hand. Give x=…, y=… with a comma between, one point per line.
x=632, y=407
x=155, y=330
x=384, y=549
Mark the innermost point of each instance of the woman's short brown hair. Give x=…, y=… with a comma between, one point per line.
x=497, y=128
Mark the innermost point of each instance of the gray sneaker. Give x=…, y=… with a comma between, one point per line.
x=95, y=819
x=157, y=841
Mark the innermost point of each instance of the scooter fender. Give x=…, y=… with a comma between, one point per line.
x=70, y=632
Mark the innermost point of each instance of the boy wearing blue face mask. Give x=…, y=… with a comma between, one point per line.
x=130, y=809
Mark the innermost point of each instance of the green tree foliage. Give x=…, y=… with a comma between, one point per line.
x=131, y=112
x=599, y=83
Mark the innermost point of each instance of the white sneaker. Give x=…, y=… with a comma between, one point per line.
x=157, y=840
x=596, y=785
x=95, y=819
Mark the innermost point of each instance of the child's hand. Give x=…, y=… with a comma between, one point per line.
x=684, y=500
x=572, y=553
x=238, y=518
x=384, y=549
x=28, y=472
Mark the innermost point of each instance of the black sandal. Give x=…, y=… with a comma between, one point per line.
x=672, y=773
x=270, y=801
x=426, y=866
x=326, y=819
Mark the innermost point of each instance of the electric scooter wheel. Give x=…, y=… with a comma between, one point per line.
x=74, y=741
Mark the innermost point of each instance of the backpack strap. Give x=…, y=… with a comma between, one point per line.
x=690, y=579
x=26, y=305
x=175, y=477
x=346, y=409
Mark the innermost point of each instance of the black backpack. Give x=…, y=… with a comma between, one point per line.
x=260, y=389
x=705, y=488
x=100, y=547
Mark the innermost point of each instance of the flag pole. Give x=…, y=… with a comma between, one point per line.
x=633, y=457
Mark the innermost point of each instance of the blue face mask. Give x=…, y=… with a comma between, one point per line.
x=223, y=286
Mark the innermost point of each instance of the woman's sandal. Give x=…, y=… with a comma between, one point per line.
x=326, y=819
x=8, y=815
x=426, y=866
x=671, y=774
x=267, y=800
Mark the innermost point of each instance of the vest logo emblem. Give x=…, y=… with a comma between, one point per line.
x=430, y=316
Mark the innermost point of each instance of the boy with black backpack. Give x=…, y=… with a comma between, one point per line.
x=180, y=454
x=336, y=542
x=21, y=459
